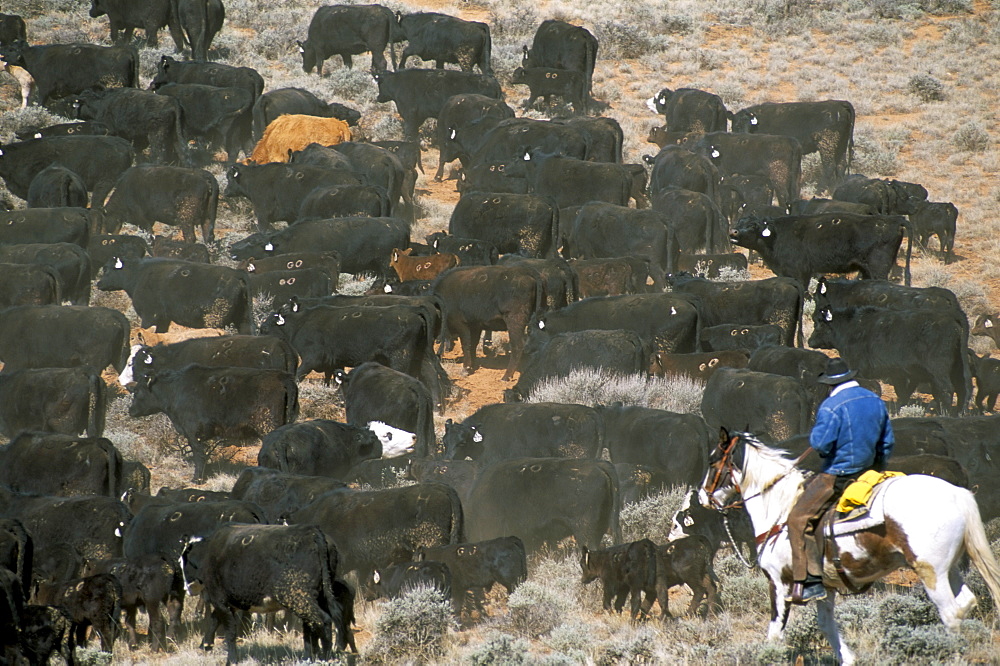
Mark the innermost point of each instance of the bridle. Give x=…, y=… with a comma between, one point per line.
x=724, y=467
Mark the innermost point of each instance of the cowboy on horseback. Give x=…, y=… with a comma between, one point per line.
x=852, y=434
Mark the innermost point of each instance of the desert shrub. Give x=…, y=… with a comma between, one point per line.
x=972, y=137
x=907, y=610
x=517, y=23
x=732, y=274
x=536, y=608
x=677, y=24
x=926, y=87
x=352, y=285
x=802, y=633
x=742, y=591
x=905, y=645
x=574, y=639
x=260, y=307
x=19, y=120
x=855, y=614
x=499, y=649
x=624, y=39
x=651, y=518
x=596, y=387
x=632, y=647
x=413, y=627
x=92, y=657
x=911, y=411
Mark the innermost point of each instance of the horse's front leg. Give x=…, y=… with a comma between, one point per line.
x=779, y=610
x=828, y=625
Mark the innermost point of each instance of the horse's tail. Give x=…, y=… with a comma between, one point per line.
x=978, y=546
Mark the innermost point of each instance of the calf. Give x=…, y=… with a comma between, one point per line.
x=470, y=251
x=421, y=268
x=475, y=567
x=44, y=631
x=687, y=561
x=613, y=276
x=148, y=581
x=934, y=218
x=374, y=393
x=91, y=601
x=740, y=337
x=292, y=132
x=56, y=186
x=549, y=81
x=23, y=78
x=629, y=568
x=181, y=197
x=64, y=400
x=327, y=448
x=399, y=579
x=986, y=327
x=697, y=365
x=986, y=372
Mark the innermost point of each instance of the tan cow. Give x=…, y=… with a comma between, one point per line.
x=292, y=132
x=22, y=77
x=421, y=268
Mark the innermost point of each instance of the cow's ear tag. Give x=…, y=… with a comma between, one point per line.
x=118, y=263
x=280, y=321
x=269, y=247
x=766, y=232
x=527, y=157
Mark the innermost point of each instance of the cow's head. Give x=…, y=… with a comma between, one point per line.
x=395, y=442
x=97, y=8
x=275, y=324
x=823, y=335
x=753, y=233
x=590, y=569
x=658, y=102
x=254, y=245
x=234, y=181
x=461, y=441
x=308, y=56
x=144, y=402
x=117, y=274
x=139, y=364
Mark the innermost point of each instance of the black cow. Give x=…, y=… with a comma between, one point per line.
x=64, y=400
x=165, y=291
x=374, y=393
x=806, y=365
x=470, y=251
x=92, y=601
x=803, y=246
x=774, y=407
x=443, y=39
x=604, y=137
x=904, y=348
x=321, y=447
x=696, y=220
x=266, y=568
x=399, y=579
x=276, y=190
x=205, y=403
x=347, y=30
x=345, y=201
x=364, y=243
x=676, y=443
x=46, y=463
x=98, y=160
x=712, y=266
x=90, y=526
x=814, y=205
x=556, y=274
x=669, y=322
x=169, y=248
x=879, y=293
x=490, y=298
x=246, y=351
x=522, y=223
x=699, y=365
x=420, y=94
x=378, y=528
x=281, y=286
x=548, y=81
x=103, y=247
x=68, y=261
x=476, y=567
x=986, y=327
x=740, y=337
x=574, y=182
x=986, y=372
x=458, y=474
x=565, y=46
x=140, y=116
x=124, y=17
x=63, y=129
x=283, y=101
x=688, y=110
x=779, y=158
x=542, y=429
x=61, y=70
x=46, y=630
x=328, y=262
x=56, y=186
x=603, y=230
x=12, y=29
x=677, y=168
x=886, y=196
x=408, y=153
x=740, y=192
x=199, y=21
x=614, y=276
x=374, y=166
x=719, y=529
x=935, y=218
x=280, y=493
x=214, y=114
x=63, y=336
x=145, y=195
x=626, y=569
x=328, y=338
x=510, y=139
x=461, y=121
x=825, y=127
x=548, y=357
x=687, y=561
x=490, y=177
x=543, y=500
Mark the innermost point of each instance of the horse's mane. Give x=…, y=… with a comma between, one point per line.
x=767, y=467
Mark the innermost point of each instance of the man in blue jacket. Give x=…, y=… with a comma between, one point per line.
x=853, y=435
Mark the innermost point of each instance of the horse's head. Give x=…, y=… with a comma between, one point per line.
x=720, y=489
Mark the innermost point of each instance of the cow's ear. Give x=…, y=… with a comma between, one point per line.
x=723, y=435
x=448, y=422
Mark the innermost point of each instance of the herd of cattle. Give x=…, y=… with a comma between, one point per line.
x=543, y=244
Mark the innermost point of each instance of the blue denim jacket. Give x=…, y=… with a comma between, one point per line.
x=852, y=431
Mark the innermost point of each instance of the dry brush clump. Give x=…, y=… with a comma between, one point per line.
x=598, y=387
x=413, y=628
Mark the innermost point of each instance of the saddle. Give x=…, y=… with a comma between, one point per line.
x=857, y=509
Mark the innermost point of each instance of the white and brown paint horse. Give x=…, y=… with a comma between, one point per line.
x=928, y=524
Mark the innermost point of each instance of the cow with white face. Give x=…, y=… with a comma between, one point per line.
x=395, y=442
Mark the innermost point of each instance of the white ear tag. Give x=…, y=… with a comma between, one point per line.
x=376, y=578
x=673, y=310
x=527, y=157
x=766, y=232
x=753, y=120
x=118, y=263
x=828, y=316
x=38, y=135
x=280, y=321
x=269, y=247
x=452, y=133
x=988, y=324
x=715, y=153
x=387, y=288
x=478, y=437
x=822, y=288
x=149, y=360
x=541, y=325
x=301, y=50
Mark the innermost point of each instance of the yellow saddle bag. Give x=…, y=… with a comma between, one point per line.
x=858, y=493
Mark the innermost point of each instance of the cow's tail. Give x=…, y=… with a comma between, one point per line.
x=909, y=251
x=425, y=430
x=590, y=61
x=443, y=335
x=850, y=140
x=962, y=372
x=56, y=284
x=487, y=58
x=616, y=501
x=799, y=314
x=259, y=114
x=97, y=407
x=327, y=559
x=115, y=464
x=291, y=399
x=441, y=379
x=977, y=545
x=211, y=210
x=134, y=73
x=457, y=534
x=243, y=310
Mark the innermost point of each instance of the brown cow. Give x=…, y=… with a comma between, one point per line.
x=421, y=268
x=293, y=132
